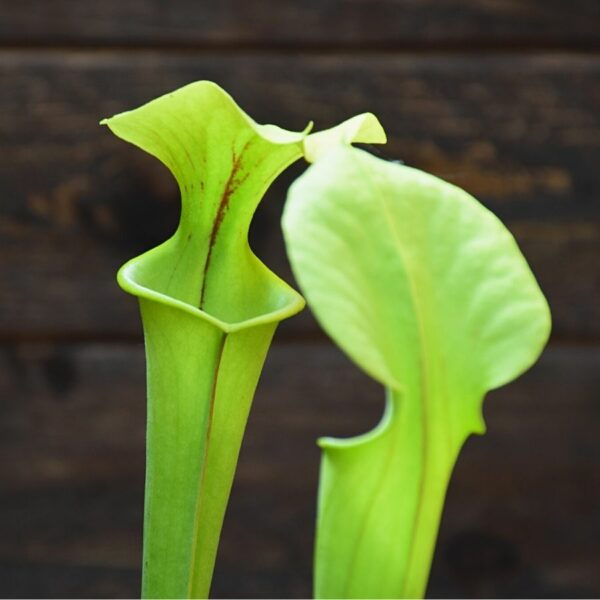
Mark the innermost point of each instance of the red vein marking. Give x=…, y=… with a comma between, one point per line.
x=231, y=186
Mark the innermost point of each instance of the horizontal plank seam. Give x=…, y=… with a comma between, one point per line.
x=282, y=338
x=581, y=45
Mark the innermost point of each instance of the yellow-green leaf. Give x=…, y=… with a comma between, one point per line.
x=209, y=309
x=427, y=291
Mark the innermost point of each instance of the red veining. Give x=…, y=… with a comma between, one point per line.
x=231, y=185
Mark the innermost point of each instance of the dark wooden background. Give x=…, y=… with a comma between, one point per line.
x=501, y=97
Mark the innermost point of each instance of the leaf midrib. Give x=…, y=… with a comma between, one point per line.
x=382, y=196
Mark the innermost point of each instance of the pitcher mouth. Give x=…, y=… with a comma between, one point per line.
x=291, y=303
x=223, y=162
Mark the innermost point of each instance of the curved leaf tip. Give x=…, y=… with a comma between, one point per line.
x=393, y=259
x=364, y=128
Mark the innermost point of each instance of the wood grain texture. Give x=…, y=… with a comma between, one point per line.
x=71, y=466
x=357, y=23
x=522, y=133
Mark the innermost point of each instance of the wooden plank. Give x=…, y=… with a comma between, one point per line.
x=521, y=519
x=521, y=133
x=378, y=23
x=67, y=581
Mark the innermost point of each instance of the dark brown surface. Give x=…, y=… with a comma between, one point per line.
x=500, y=97
x=504, y=531
x=330, y=23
